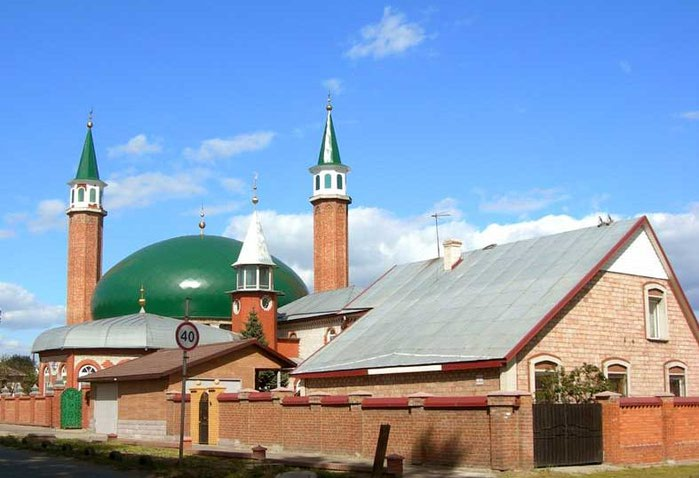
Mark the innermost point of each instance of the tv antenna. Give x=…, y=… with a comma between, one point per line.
x=436, y=217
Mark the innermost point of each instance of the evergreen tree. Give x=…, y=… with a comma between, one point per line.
x=253, y=328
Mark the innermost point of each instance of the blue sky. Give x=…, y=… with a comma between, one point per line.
x=518, y=120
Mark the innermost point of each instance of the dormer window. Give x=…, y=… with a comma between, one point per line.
x=656, y=313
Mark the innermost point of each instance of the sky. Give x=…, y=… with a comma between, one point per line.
x=515, y=119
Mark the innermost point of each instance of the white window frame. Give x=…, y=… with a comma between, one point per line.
x=622, y=363
x=671, y=365
x=659, y=331
x=533, y=362
x=81, y=373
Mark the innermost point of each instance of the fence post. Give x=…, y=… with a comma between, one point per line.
x=668, y=414
x=611, y=417
x=511, y=431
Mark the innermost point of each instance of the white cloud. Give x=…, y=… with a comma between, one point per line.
x=333, y=85
x=690, y=115
x=215, y=148
x=144, y=189
x=50, y=214
x=379, y=239
x=625, y=66
x=136, y=146
x=6, y=233
x=391, y=36
x=21, y=310
x=521, y=202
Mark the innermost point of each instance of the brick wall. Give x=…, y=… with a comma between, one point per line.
x=330, y=244
x=606, y=320
x=84, y=264
x=650, y=429
x=463, y=382
x=142, y=400
x=493, y=431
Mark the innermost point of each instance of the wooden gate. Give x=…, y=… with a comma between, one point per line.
x=71, y=408
x=204, y=419
x=567, y=434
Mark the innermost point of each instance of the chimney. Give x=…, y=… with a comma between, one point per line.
x=452, y=253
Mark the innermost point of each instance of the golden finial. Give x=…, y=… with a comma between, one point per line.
x=89, y=119
x=255, y=199
x=329, y=106
x=202, y=223
x=142, y=299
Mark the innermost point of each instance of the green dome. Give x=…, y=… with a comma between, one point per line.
x=163, y=266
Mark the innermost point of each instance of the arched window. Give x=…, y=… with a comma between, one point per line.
x=330, y=334
x=676, y=381
x=617, y=372
x=328, y=181
x=81, y=195
x=84, y=371
x=47, y=378
x=656, y=312
x=292, y=335
x=72, y=196
x=317, y=182
x=541, y=371
x=93, y=195
x=63, y=374
x=339, y=181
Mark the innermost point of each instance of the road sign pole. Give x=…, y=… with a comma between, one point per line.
x=182, y=404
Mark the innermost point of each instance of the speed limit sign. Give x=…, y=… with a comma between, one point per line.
x=187, y=336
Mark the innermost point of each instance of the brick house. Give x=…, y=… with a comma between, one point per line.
x=500, y=318
x=130, y=399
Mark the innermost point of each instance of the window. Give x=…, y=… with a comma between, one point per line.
x=676, y=378
x=542, y=369
x=339, y=181
x=292, y=335
x=330, y=334
x=266, y=302
x=250, y=277
x=617, y=372
x=656, y=313
x=47, y=378
x=72, y=196
x=236, y=307
x=93, y=195
x=84, y=371
x=81, y=195
x=265, y=276
x=328, y=181
x=317, y=182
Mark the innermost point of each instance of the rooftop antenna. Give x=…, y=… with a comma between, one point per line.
x=436, y=217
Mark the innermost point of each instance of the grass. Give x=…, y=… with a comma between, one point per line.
x=157, y=462
x=660, y=471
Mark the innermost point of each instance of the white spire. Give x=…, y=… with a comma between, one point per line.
x=254, y=250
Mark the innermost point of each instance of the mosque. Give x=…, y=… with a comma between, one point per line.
x=215, y=281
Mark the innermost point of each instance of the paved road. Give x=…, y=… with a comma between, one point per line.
x=32, y=464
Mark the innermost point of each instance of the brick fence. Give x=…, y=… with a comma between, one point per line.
x=39, y=410
x=650, y=429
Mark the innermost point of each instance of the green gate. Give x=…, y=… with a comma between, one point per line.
x=71, y=408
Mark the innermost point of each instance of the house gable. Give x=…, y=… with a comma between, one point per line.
x=639, y=258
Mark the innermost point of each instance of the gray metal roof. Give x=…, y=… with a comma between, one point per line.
x=318, y=304
x=479, y=310
x=135, y=331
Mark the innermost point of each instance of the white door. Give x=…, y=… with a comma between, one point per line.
x=106, y=408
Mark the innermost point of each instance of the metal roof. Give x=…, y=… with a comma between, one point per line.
x=135, y=331
x=318, y=304
x=254, y=250
x=167, y=362
x=480, y=310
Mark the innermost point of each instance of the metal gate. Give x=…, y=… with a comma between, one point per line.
x=567, y=434
x=71, y=408
x=204, y=419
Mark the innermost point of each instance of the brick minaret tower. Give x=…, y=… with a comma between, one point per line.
x=255, y=283
x=330, y=202
x=85, y=218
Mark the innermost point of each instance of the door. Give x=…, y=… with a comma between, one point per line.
x=71, y=408
x=106, y=408
x=204, y=419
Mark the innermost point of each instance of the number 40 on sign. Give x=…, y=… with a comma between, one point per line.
x=187, y=336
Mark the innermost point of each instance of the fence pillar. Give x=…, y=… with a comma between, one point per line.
x=511, y=430
x=611, y=417
x=668, y=414
x=56, y=405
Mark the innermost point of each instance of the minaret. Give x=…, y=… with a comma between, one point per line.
x=330, y=201
x=85, y=220
x=255, y=281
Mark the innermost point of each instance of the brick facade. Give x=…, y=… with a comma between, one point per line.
x=330, y=244
x=606, y=321
x=84, y=263
x=251, y=300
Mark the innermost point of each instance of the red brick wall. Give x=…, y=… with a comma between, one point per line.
x=650, y=430
x=27, y=411
x=84, y=264
x=395, y=385
x=330, y=244
x=142, y=400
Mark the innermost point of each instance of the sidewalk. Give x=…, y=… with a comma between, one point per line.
x=337, y=463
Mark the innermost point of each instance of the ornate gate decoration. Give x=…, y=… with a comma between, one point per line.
x=71, y=408
x=204, y=419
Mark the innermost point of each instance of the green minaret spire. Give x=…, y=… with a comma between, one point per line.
x=329, y=152
x=87, y=170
